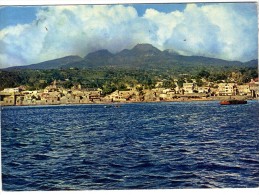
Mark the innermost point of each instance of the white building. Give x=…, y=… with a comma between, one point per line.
x=189, y=87
x=11, y=90
x=244, y=89
x=203, y=89
x=227, y=89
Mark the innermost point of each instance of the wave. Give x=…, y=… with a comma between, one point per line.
x=143, y=146
x=41, y=157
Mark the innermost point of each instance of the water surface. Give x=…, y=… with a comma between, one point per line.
x=135, y=146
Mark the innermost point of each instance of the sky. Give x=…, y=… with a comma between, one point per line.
x=32, y=34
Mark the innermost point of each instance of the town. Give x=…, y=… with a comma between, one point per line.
x=55, y=94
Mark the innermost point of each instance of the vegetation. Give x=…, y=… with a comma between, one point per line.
x=111, y=79
x=144, y=66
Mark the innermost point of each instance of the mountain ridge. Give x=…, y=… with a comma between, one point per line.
x=50, y=64
x=144, y=56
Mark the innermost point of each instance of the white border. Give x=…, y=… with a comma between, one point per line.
x=75, y=2
x=234, y=191
x=228, y=191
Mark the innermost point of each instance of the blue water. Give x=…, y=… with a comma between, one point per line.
x=135, y=146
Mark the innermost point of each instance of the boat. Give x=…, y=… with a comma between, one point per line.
x=107, y=106
x=231, y=102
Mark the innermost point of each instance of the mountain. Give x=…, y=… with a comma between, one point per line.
x=146, y=56
x=95, y=59
x=251, y=63
x=51, y=64
x=143, y=56
x=104, y=54
x=145, y=49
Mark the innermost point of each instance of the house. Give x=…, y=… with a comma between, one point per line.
x=94, y=91
x=19, y=100
x=7, y=99
x=225, y=89
x=12, y=90
x=203, y=89
x=189, y=87
x=166, y=94
x=67, y=99
x=50, y=97
x=29, y=92
x=163, y=96
x=53, y=87
x=78, y=93
x=94, y=94
x=243, y=89
x=159, y=84
x=22, y=87
x=120, y=96
x=254, y=87
x=166, y=90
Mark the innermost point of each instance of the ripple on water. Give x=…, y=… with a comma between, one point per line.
x=137, y=146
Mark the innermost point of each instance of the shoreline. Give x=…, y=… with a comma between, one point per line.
x=127, y=102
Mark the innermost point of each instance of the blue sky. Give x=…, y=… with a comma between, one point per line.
x=12, y=15
x=32, y=34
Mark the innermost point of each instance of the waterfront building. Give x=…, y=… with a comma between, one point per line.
x=7, y=99
x=189, y=87
x=94, y=94
x=12, y=90
x=120, y=96
x=254, y=87
x=163, y=96
x=244, y=89
x=227, y=89
x=19, y=100
x=27, y=92
x=203, y=89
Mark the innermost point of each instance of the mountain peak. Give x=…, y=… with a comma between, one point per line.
x=145, y=47
x=142, y=55
x=104, y=53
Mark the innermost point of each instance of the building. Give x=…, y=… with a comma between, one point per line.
x=225, y=89
x=120, y=96
x=12, y=90
x=159, y=84
x=243, y=89
x=254, y=81
x=254, y=87
x=189, y=87
x=94, y=94
x=8, y=96
x=7, y=99
x=203, y=89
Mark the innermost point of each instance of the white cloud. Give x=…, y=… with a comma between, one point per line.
x=216, y=30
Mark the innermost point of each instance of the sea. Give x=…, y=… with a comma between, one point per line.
x=164, y=145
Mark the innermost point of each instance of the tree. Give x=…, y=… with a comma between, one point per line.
x=108, y=88
x=168, y=84
x=180, y=82
x=68, y=84
x=218, y=76
x=203, y=74
x=122, y=87
x=199, y=82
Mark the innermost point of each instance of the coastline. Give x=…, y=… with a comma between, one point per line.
x=218, y=98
